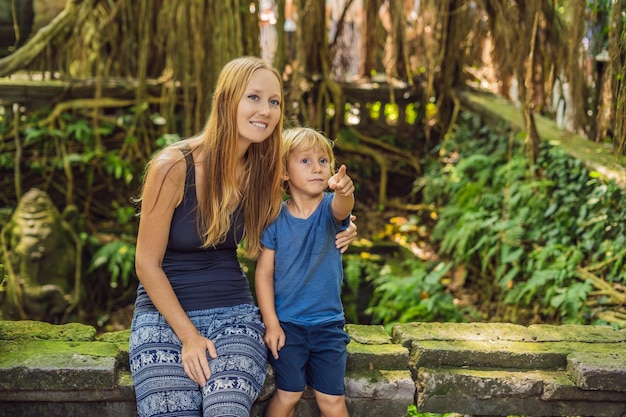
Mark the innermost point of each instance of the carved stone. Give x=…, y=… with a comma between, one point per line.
x=41, y=255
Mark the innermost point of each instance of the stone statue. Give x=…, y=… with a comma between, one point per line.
x=42, y=257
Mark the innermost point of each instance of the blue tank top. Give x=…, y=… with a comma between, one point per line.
x=202, y=278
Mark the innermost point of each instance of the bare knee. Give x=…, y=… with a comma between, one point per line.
x=282, y=404
x=331, y=405
x=287, y=397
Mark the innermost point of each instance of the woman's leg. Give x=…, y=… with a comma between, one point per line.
x=162, y=387
x=238, y=372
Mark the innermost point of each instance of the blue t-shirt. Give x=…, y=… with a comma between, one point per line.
x=202, y=278
x=307, y=266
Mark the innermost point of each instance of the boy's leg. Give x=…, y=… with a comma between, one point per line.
x=331, y=405
x=282, y=404
x=289, y=371
x=327, y=366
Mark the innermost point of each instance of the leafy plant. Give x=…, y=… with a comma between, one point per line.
x=551, y=241
x=119, y=258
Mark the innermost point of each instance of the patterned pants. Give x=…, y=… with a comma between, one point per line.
x=237, y=374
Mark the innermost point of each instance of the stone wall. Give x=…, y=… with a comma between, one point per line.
x=482, y=369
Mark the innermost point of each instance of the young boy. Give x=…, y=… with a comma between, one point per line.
x=299, y=275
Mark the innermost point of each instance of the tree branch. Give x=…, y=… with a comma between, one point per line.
x=24, y=55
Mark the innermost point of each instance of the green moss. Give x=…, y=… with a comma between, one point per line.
x=37, y=330
x=16, y=352
x=121, y=337
x=385, y=349
x=367, y=334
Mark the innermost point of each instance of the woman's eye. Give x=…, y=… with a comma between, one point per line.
x=253, y=96
x=275, y=102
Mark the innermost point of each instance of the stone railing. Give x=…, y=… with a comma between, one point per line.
x=483, y=369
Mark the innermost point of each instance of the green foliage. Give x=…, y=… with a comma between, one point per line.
x=404, y=287
x=412, y=412
x=528, y=238
x=95, y=164
x=167, y=139
x=417, y=296
x=118, y=167
x=119, y=258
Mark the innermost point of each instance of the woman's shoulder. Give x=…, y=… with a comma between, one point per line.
x=169, y=163
x=169, y=157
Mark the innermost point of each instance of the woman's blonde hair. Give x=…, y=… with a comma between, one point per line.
x=260, y=191
x=307, y=138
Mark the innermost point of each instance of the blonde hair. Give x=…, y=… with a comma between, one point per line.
x=307, y=138
x=260, y=193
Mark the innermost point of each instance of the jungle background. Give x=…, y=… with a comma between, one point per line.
x=460, y=217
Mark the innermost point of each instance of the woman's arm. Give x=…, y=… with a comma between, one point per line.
x=345, y=237
x=162, y=192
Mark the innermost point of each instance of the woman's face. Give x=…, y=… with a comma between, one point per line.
x=259, y=109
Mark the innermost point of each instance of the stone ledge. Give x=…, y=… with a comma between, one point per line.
x=600, y=371
x=60, y=365
x=381, y=385
x=408, y=332
x=489, y=354
x=66, y=370
x=468, y=368
x=527, y=407
x=363, y=357
x=497, y=392
x=506, y=369
x=123, y=391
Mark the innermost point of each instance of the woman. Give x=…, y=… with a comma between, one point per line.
x=196, y=346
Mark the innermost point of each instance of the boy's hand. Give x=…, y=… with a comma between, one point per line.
x=274, y=339
x=341, y=183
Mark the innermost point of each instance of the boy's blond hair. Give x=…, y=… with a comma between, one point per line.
x=308, y=138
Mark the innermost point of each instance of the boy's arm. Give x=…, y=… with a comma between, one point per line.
x=264, y=285
x=343, y=200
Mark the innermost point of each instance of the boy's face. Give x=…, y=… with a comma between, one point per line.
x=307, y=171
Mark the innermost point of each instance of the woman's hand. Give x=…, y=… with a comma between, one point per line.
x=345, y=237
x=194, y=358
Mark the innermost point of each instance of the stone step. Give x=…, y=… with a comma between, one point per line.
x=497, y=392
x=57, y=365
x=371, y=348
x=608, y=359
x=389, y=357
x=405, y=333
x=602, y=370
x=466, y=368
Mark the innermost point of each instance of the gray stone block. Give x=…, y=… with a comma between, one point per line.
x=599, y=371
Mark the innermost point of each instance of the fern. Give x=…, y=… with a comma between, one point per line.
x=119, y=258
x=528, y=236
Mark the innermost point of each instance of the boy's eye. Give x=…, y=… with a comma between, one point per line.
x=323, y=161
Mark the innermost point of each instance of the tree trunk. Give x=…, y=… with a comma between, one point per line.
x=369, y=38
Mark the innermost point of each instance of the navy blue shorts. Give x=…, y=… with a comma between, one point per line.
x=314, y=356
